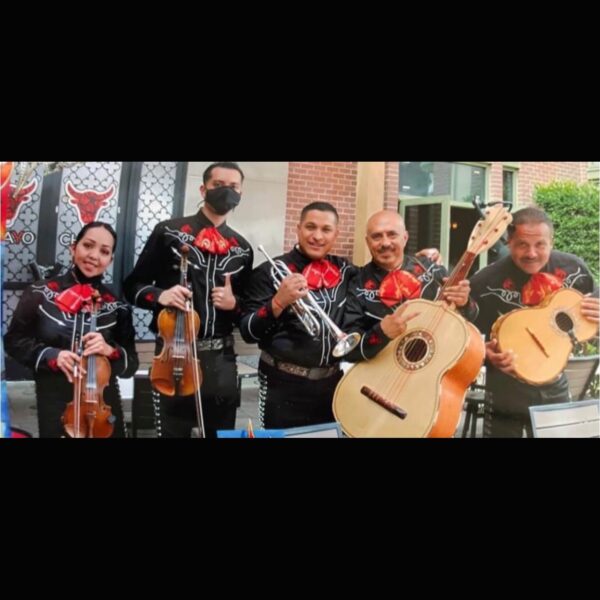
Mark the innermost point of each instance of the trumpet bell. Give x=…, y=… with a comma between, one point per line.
x=346, y=345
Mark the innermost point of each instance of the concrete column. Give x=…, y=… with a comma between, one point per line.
x=370, y=197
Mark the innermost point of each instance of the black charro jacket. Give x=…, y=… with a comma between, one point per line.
x=39, y=329
x=157, y=269
x=285, y=337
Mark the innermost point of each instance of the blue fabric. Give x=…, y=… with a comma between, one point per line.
x=258, y=433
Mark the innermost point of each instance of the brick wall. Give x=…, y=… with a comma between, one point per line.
x=333, y=182
x=495, y=190
x=531, y=173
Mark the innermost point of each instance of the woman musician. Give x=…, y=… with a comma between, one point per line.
x=40, y=335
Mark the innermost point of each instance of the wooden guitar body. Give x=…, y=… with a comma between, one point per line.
x=422, y=375
x=542, y=336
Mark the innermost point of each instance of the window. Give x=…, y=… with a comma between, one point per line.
x=435, y=199
x=469, y=182
x=416, y=178
x=509, y=180
x=461, y=182
x=423, y=224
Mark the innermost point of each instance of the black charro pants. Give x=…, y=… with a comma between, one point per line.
x=176, y=416
x=287, y=400
x=507, y=409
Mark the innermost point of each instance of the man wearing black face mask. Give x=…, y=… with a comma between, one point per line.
x=222, y=199
x=220, y=263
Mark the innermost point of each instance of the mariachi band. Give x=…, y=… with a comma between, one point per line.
x=417, y=335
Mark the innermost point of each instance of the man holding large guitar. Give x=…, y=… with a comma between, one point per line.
x=376, y=295
x=416, y=355
x=529, y=275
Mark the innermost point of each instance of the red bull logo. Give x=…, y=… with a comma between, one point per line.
x=15, y=202
x=88, y=203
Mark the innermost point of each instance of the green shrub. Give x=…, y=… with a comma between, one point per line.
x=574, y=210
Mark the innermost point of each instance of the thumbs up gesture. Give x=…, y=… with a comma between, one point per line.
x=222, y=297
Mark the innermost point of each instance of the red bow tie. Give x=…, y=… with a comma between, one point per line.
x=321, y=274
x=538, y=287
x=210, y=240
x=73, y=298
x=398, y=286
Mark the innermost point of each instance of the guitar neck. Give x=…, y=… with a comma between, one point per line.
x=461, y=270
x=486, y=233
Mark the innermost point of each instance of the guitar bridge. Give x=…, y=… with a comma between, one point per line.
x=387, y=404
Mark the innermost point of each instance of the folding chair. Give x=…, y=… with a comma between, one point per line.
x=568, y=419
x=476, y=399
x=580, y=371
x=326, y=430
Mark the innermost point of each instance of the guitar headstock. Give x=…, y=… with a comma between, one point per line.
x=489, y=230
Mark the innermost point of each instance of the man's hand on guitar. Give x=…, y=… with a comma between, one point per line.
x=394, y=325
x=458, y=294
x=503, y=361
x=590, y=309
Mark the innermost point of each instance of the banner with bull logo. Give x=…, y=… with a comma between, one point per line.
x=44, y=208
x=89, y=192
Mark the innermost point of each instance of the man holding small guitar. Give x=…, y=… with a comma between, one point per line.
x=529, y=275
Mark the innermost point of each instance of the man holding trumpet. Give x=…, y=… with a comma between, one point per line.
x=298, y=370
x=295, y=303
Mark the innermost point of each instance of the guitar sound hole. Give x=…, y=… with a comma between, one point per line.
x=415, y=350
x=564, y=322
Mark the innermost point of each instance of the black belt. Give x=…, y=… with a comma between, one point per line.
x=314, y=373
x=208, y=344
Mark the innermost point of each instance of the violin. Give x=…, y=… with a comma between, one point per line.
x=176, y=370
x=87, y=415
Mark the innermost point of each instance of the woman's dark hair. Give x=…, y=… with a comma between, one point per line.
x=93, y=225
x=221, y=165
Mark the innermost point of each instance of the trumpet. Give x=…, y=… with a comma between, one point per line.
x=345, y=342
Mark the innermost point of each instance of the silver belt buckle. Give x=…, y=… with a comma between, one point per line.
x=313, y=374
x=211, y=344
x=295, y=369
x=321, y=373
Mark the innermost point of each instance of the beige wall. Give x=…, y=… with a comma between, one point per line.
x=260, y=216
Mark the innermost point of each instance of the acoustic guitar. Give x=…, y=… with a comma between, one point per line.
x=543, y=336
x=415, y=387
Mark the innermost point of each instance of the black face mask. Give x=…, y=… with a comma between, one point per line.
x=222, y=199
